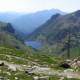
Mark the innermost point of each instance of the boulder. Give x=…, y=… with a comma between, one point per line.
x=65, y=65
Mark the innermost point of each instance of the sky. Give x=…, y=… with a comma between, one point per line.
x=38, y=5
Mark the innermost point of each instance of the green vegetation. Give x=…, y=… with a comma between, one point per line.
x=14, y=56
x=8, y=37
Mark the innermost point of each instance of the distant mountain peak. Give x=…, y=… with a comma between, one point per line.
x=77, y=13
x=29, y=22
x=56, y=15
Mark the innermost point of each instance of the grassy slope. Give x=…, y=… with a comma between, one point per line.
x=27, y=56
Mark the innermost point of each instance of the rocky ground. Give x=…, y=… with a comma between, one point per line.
x=16, y=65
x=37, y=72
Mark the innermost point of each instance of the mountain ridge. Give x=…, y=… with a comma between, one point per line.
x=28, y=22
x=32, y=21
x=58, y=31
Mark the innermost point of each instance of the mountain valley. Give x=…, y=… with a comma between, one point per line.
x=50, y=52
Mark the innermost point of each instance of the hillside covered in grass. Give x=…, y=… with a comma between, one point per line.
x=8, y=36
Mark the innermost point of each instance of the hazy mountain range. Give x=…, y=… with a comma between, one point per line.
x=28, y=22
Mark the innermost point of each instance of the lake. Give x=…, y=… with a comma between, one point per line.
x=34, y=44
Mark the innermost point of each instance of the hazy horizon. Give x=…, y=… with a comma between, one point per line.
x=29, y=6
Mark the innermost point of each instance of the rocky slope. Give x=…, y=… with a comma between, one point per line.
x=60, y=32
